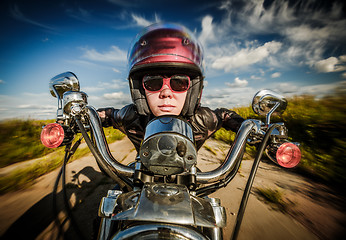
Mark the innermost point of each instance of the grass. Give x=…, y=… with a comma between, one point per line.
x=20, y=141
x=319, y=126
x=228, y=137
x=22, y=177
x=275, y=197
x=29, y=142
x=209, y=149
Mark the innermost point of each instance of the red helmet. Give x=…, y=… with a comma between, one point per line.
x=166, y=47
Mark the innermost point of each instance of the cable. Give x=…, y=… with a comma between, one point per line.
x=67, y=203
x=205, y=191
x=249, y=183
x=55, y=207
x=62, y=175
x=123, y=182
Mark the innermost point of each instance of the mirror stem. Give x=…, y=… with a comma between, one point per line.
x=277, y=104
x=59, y=112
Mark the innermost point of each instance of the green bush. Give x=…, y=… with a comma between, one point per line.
x=20, y=140
x=113, y=135
x=319, y=126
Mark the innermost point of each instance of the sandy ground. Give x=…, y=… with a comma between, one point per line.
x=313, y=211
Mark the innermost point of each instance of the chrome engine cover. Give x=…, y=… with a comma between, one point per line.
x=169, y=203
x=159, y=231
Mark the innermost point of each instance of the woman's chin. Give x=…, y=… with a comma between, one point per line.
x=163, y=112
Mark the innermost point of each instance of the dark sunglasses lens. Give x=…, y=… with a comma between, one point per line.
x=180, y=83
x=153, y=83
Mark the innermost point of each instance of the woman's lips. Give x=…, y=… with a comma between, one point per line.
x=166, y=107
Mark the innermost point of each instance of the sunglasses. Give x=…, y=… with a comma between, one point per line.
x=177, y=83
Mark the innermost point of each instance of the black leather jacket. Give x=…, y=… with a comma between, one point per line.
x=204, y=122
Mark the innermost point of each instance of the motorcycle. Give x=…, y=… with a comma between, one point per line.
x=162, y=194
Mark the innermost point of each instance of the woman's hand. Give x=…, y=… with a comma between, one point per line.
x=102, y=114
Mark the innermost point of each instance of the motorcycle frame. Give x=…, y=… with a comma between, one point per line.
x=213, y=180
x=223, y=173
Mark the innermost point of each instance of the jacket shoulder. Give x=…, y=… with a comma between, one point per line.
x=206, y=117
x=126, y=115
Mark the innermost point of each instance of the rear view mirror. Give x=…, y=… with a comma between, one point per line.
x=60, y=84
x=266, y=102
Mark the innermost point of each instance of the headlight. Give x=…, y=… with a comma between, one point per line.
x=168, y=146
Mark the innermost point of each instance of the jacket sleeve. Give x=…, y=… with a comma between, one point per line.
x=117, y=118
x=107, y=117
x=230, y=120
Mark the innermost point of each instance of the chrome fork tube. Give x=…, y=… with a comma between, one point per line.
x=233, y=155
x=103, y=148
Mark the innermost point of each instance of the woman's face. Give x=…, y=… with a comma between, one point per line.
x=165, y=102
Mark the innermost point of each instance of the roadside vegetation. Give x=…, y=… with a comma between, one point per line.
x=273, y=197
x=319, y=126
x=20, y=141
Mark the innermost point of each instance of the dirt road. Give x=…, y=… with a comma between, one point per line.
x=312, y=210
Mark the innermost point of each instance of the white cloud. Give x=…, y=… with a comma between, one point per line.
x=236, y=97
x=115, y=95
x=17, y=14
x=93, y=89
x=207, y=33
x=141, y=21
x=287, y=88
x=305, y=33
x=115, y=99
x=343, y=75
x=2, y=81
x=37, y=106
x=318, y=90
x=115, y=70
x=103, y=86
x=276, y=75
x=238, y=83
x=308, y=31
x=82, y=63
x=255, y=77
x=228, y=97
x=116, y=84
x=124, y=3
x=246, y=57
x=80, y=14
x=28, y=105
x=331, y=64
x=113, y=55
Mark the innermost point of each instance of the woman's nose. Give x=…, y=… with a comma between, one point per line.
x=166, y=92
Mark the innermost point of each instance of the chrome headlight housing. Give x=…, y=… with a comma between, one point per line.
x=168, y=147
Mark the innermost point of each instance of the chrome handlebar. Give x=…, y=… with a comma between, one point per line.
x=234, y=155
x=103, y=148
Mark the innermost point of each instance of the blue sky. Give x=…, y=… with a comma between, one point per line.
x=294, y=47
